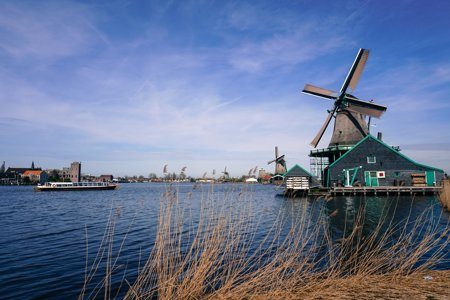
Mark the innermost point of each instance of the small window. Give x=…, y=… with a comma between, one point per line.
x=371, y=159
x=396, y=174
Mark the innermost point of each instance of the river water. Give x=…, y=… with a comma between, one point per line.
x=43, y=235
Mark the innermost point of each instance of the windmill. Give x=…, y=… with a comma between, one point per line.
x=226, y=175
x=280, y=163
x=350, y=113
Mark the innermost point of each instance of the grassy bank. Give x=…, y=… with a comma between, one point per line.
x=417, y=285
x=217, y=256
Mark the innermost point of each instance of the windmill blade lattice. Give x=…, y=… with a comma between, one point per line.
x=356, y=70
x=319, y=92
x=319, y=135
x=346, y=103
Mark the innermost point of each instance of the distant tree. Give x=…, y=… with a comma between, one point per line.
x=26, y=180
x=2, y=168
x=32, y=165
x=171, y=176
x=152, y=176
x=54, y=176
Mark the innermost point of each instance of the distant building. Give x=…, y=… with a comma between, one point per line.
x=105, y=178
x=88, y=177
x=73, y=173
x=18, y=171
x=36, y=175
x=14, y=175
x=251, y=180
x=261, y=173
x=263, y=176
x=298, y=178
x=205, y=180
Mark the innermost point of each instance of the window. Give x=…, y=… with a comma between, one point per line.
x=371, y=159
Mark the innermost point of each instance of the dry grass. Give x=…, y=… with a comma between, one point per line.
x=413, y=286
x=215, y=257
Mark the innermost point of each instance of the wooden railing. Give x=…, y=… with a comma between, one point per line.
x=444, y=196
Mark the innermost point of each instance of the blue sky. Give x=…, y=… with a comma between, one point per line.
x=128, y=86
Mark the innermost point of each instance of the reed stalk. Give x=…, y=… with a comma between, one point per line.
x=215, y=257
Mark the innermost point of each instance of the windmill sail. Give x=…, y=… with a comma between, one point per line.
x=359, y=69
x=319, y=92
x=355, y=72
x=319, y=135
x=365, y=108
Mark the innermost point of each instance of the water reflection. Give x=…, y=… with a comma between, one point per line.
x=371, y=212
x=43, y=236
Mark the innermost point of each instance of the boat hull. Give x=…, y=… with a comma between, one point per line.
x=74, y=188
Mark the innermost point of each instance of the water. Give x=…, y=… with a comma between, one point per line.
x=43, y=235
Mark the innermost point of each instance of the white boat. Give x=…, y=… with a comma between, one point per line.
x=75, y=186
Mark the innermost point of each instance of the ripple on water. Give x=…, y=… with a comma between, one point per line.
x=43, y=236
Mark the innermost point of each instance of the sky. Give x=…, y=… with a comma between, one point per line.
x=126, y=87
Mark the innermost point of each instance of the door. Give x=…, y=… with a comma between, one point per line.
x=371, y=178
x=367, y=177
x=431, y=178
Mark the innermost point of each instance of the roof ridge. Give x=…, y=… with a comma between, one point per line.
x=369, y=136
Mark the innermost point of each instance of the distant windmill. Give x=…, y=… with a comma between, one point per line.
x=254, y=170
x=226, y=175
x=350, y=125
x=280, y=163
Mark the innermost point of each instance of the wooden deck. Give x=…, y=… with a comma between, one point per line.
x=386, y=190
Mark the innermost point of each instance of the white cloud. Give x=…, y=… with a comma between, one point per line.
x=283, y=50
x=49, y=30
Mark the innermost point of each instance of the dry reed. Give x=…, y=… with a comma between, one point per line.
x=215, y=257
